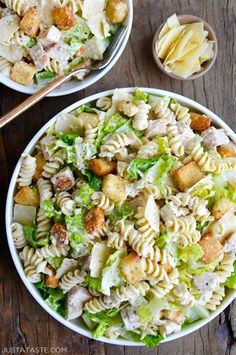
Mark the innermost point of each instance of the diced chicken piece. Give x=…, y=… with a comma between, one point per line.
x=114, y=188
x=30, y=22
x=59, y=235
x=230, y=244
x=76, y=298
x=227, y=151
x=170, y=328
x=94, y=220
x=199, y=122
x=102, y=167
x=211, y=246
x=156, y=127
x=130, y=318
x=206, y=282
x=170, y=211
x=186, y=135
x=40, y=162
x=6, y=12
x=127, y=108
x=175, y=316
x=132, y=268
x=64, y=180
x=23, y=73
x=64, y=17
x=138, y=201
x=221, y=207
x=188, y=175
x=27, y=196
x=49, y=36
x=116, y=10
x=133, y=189
x=50, y=280
x=213, y=137
x=59, y=53
x=39, y=56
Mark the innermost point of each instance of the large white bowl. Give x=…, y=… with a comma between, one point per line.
x=77, y=325
x=76, y=85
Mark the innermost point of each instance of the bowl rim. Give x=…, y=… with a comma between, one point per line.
x=9, y=209
x=210, y=64
x=88, y=81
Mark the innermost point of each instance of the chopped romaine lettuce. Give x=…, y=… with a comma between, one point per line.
x=120, y=212
x=158, y=172
x=93, y=282
x=74, y=46
x=44, y=77
x=110, y=316
x=153, y=340
x=194, y=252
x=51, y=212
x=140, y=96
x=74, y=64
x=95, y=182
x=54, y=297
x=80, y=31
x=109, y=126
x=31, y=42
x=194, y=313
x=83, y=196
x=165, y=241
x=75, y=229
x=68, y=139
x=111, y=272
x=200, y=227
x=55, y=261
x=30, y=235
x=100, y=330
x=162, y=143
x=231, y=281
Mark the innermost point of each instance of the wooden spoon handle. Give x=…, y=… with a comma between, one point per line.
x=11, y=115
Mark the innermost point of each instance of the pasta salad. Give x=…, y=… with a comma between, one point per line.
x=43, y=39
x=124, y=216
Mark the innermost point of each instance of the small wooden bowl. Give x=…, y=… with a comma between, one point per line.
x=185, y=19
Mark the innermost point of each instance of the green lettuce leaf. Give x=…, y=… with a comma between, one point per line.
x=75, y=229
x=31, y=42
x=194, y=314
x=95, y=182
x=158, y=172
x=120, y=212
x=165, y=241
x=51, y=212
x=55, y=261
x=93, y=282
x=30, y=235
x=139, y=95
x=83, y=196
x=110, y=317
x=100, y=330
x=54, y=297
x=194, y=252
x=201, y=227
x=153, y=340
x=44, y=77
x=111, y=272
x=162, y=143
x=80, y=31
x=109, y=126
x=231, y=281
x=68, y=139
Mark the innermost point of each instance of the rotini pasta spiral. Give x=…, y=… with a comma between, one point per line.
x=71, y=279
x=5, y=66
x=182, y=295
x=104, y=103
x=19, y=6
x=45, y=190
x=166, y=285
x=115, y=240
x=54, y=67
x=53, y=251
x=216, y=298
x=185, y=224
x=74, y=5
x=43, y=224
x=52, y=166
x=188, y=238
x=18, y=235
x=116, y=144
x=90, y=134
x=181, y=112
x=34, y=264
x=202, y=158
x=140, y=120
x=226, y=164
x=226, y=267
x=175, y=144
x=161, y=110
x=144, y=227
x=27, y=170
x=102, y=201
x=65, y=202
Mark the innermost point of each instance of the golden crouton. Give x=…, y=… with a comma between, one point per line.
x=188, y=175
x=94, y=220
x=40, y=161
x=50, y=280
x=102, y=166
x=226, y=151
x=23, y=73
x=64, y=17
x=30, y=22
x=199, y=122
x=116, y=11
x=221, y=207
x=211, y=246
x=114, y=188
x=27, y=196
x=132, y=269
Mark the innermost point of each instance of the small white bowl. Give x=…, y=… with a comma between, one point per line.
x=77, y=325
x=76, y=85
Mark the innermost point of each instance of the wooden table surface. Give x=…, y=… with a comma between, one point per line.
x=24, y=323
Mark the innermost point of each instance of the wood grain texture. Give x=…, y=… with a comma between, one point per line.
x=24, y=322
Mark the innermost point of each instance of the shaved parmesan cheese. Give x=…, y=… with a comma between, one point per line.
x=170, y=23
x=163, y=46
x=152, y=214
x=99, y=26
x=208, y=53
x=66, y=266
x=178, y=49
x=99, y=255
x=11, y=52
x=199, y=35
x=92, y=8
x=9, y=25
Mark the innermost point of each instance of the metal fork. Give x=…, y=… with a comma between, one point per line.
x=109, y=54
